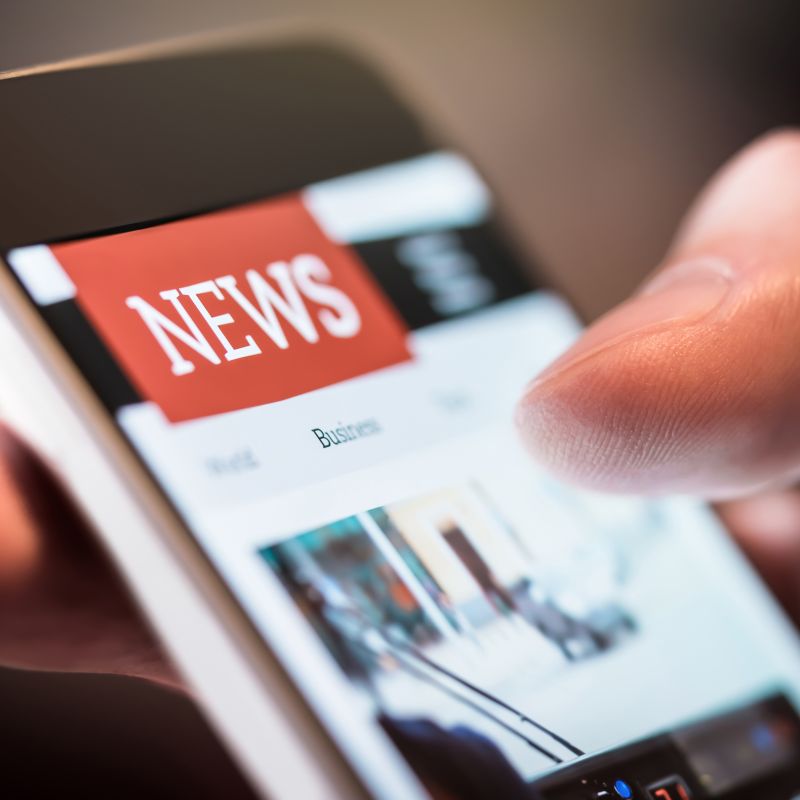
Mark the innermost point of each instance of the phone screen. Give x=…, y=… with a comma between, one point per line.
x=323, y=382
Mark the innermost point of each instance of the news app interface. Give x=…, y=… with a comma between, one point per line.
x=323, y=384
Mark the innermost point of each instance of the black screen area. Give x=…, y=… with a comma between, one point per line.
x=116, y=145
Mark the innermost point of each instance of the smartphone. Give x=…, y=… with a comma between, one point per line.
x=268, y=327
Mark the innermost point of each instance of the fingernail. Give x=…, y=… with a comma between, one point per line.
x=687, y=292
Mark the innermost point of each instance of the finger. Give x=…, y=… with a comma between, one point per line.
x=693, y=385
x=767, y=527
x=61, y=605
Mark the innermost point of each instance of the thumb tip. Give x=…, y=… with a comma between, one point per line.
x=691, y=385
x=631, y=418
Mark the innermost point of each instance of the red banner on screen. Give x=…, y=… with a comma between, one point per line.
x=234, y=309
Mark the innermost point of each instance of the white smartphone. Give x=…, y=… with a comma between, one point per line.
x=270, y=332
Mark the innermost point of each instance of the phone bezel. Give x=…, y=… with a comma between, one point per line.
x=120, y=143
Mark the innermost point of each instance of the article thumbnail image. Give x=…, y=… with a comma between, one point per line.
x=438, y=575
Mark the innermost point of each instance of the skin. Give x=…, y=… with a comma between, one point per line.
x=691, y=385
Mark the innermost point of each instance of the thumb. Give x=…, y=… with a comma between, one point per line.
x=693, y=385
x=62, y=607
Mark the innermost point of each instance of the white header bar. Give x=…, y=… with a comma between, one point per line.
x=439, y=190
x=42, y=276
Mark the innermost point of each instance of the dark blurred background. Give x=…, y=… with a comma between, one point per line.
x=597, y=122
